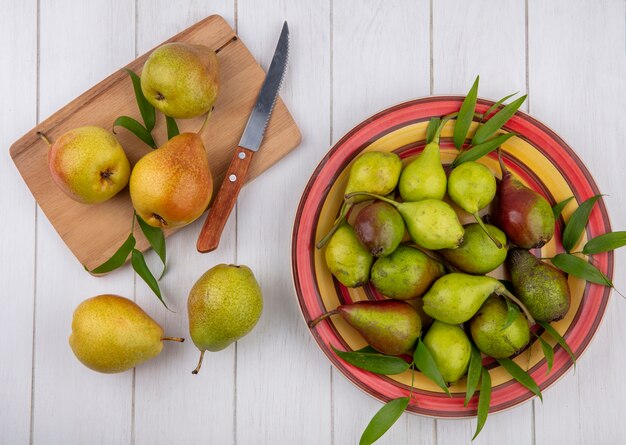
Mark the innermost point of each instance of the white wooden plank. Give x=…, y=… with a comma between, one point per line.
x=17, y=260
x=283, y=381
x=81, y=43
x=171, y=405
x=577, y=72
x=380, y=57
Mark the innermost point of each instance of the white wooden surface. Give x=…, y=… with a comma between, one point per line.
x=348, y=60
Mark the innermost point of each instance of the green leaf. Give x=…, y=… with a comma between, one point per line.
x=493, y=108
x=118, y=258
x=520, y=375
x=135, y=128
x=172, y=127
x=489, y=128
x=512, y=312
x=145, y=108
x=558, y=208
x=155, y=237
x=577, y=222
x=383, y=420
x=605, y=243
x=480, y=150
x=483, y=401
x=367, y=350
x=376, y=363
x=433, y=124
x=425, y=362
x=466, y=115
x=548, y=353
x=580, y=268
x=560, y=340
x=140, y=266
x=473, y=374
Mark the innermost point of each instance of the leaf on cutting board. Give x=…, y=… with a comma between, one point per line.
x=521, y=376
x=557, y=209
x=146, y=109
x=478, y=151
x=155, y=237
x=605, y=243
x=577, y=222
x=425, y=362
x=374, y=362
x=473, y=374
x=172, y=127
x=118, y=258
x=559, y=339
x=135, y=128
x=489, y=128
x=383, y=420
x=548, y=352
x=466, y=115
x=580, y=268
x=139, y=264
x=484, y=400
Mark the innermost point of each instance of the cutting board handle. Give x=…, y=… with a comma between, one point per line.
x=225, y=200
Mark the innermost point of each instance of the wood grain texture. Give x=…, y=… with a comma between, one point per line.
x=380, y=58
x=71, y=401
x=93, y=233
x=17, y=259
x=577, y=87
x=171, y=405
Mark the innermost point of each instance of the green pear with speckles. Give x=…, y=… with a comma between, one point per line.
x=450, y=348
x=490, y=333
x=347, y=259
x=477, y=254
x=374, y=172
x=424, y=177
x=223, y=306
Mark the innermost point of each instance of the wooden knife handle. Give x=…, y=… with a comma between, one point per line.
x=225, y=200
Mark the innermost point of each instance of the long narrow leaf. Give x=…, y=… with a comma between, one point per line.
x=145, y=108
x=512, y=312
x=433, y=124
x=140, y=266
x=155, y=237
x=473, y=374
x=466, y=115
x=425, y=362
x=559, y=339
x=383, y=420
x=558, y=208
x=480, y=150
x=495, y=106
x=172, y=127
x=521, y=376
x=489, y=128
x=548, y=353
x=135, y=128
x=376, y=363
x=118, y=258
x=577, y=222
x=580, y=268
x=484, y=401
x=604, y=243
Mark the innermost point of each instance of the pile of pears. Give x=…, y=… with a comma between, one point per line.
x=400, y=232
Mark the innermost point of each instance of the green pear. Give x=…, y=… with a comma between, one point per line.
x=431, y=223
x=380, y=228
x=223, y=306
x=88, y=164
x=181, y=80
x=405, y=274
x=389, y=326
x=472, y=187
x=347, y=259
x=112, y=334
x=374, y=172
x=456, y=297
x=541, y=287
x=450, y=348
x=424, y=177
x=490, y=334
x=477, y=254
x=172, y=186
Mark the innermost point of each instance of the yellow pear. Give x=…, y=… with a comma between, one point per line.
x=172, y=186
x=88, y=164
x=112, y=334
x=181, y=80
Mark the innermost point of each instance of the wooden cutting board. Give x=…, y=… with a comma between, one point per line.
x=94, y=232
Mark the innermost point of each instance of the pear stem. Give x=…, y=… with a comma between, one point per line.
x=206, y=119
x=314, y=323
x=345, y=208
x=503, y=168
x=482, y=224
x=195, y=371
x=502, y=291
x=372, y=195
x=44, y=138
x=177, y=339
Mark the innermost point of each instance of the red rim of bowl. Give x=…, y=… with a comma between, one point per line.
x=434, y=404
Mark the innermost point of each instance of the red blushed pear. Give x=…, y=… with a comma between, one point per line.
x=389, y=326
x=523, y=214
x=172, y=186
